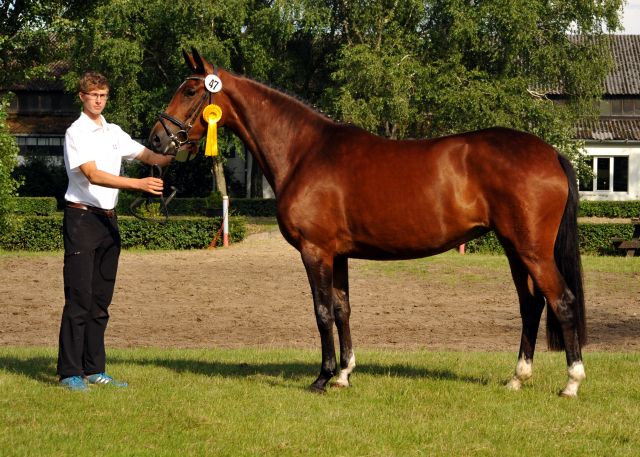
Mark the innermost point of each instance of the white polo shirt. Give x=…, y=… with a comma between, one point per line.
x=106, y=146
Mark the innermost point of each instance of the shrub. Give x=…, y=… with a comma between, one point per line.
x=37, y=233
x=260, y=207
x=625, y=209
x=36, y=206
x=257, y=207
x=594, y=239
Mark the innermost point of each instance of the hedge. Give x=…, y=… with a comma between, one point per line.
x=38, y=233
x=261, y=207
x=36, y=206
x=626, y=209
x=595, y=239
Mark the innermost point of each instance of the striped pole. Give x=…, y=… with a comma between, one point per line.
x=225, y=222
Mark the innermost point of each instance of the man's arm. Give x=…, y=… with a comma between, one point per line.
x=104, y=179
x=150, y=157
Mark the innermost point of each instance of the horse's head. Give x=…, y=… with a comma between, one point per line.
x=182, y=121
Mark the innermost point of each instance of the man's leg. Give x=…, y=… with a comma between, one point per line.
x=104, y=277
x=80, y=241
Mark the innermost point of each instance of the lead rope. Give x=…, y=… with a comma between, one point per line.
x=217, y=235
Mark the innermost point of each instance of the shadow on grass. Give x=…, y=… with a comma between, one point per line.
x=43, y=369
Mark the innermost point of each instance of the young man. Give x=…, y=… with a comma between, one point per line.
x=93, y=153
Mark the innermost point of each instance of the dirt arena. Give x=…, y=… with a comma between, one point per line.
x=257, y=295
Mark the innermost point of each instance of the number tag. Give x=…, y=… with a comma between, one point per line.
x=212, y=83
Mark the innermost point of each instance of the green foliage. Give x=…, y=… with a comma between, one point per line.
x=415, y=68
x=594, y=239
x=214, y=199
x=8, y=160
x=35, y=206
x=256, y=207
x=26, y=30
x=610, y=209
x=196, y=206
x=42, y=177
x=45, y=233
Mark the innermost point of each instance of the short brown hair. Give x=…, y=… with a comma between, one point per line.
x=93, y=80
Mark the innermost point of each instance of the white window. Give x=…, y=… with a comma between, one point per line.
x=611, y=174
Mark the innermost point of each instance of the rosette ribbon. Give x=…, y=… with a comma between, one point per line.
x=212, y=115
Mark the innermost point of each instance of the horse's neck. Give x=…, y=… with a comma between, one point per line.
x=273, y=126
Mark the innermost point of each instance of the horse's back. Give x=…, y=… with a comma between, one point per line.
x=387, y=199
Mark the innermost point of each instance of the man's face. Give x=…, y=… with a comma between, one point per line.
x=94, y=100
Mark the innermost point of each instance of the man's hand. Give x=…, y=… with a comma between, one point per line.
x=151, y=185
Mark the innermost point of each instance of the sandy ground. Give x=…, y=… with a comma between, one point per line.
x=257, y=295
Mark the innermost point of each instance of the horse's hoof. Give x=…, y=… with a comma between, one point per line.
x=563, y=394
x=514, y=384
x=316, y=390
x=338, y=386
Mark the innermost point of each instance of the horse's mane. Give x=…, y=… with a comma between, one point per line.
x=289, y=94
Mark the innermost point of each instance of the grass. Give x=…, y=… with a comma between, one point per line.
x=470, y=266
x=253, y=402
x=260, y=224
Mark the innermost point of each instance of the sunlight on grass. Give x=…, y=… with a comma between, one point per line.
x=473, y=267
x=254, y=402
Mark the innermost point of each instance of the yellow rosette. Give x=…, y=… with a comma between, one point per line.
x=212, y=115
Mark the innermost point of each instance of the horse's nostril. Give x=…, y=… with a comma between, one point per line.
x=155, y=140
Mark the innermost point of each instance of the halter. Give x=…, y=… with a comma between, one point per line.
x=178, y=139
x=182, y=136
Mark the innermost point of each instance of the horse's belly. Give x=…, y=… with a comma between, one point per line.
x=403, y=243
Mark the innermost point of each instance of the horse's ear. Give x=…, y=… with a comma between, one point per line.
x=187, y=59
x=198, y=61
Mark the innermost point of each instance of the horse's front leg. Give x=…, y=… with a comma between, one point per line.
x=342, y=313
x=319, y=266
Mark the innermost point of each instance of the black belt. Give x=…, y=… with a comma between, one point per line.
x=93, y=209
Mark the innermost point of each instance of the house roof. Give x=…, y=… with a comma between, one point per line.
x=603, y=130
x=625, y=78
x=39, y=125
x=53, y=82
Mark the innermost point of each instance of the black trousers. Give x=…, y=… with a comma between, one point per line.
x=91, y=251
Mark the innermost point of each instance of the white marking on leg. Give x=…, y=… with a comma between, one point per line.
x=524, y=371
x=343, y=379
x=576, y=375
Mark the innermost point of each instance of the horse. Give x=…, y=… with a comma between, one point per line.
x=344, y=193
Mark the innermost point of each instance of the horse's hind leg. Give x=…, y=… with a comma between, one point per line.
x=563, y=304
x=531, y=306
x=319, y=266
x=342, y=312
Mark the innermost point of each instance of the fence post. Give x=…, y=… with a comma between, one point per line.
x=225, y=215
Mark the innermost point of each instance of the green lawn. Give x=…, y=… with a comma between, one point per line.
x=254, y=402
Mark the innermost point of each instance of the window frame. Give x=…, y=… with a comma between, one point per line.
x=594, y=182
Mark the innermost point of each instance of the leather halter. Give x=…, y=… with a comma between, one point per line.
x=177, y=139
x=182, y=136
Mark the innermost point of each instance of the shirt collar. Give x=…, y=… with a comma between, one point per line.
x=89, y=126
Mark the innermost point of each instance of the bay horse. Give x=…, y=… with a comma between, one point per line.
x=345, y=193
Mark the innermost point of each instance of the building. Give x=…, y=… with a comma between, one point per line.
x=613, y=142
x=41, y=112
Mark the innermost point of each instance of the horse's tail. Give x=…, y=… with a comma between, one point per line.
x=567, y=257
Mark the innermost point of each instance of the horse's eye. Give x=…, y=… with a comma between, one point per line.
x=191, y=92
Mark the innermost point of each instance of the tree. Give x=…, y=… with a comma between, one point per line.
x=8, y=158
x=27, y=43
x=436, y=67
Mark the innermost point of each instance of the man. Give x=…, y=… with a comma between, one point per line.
x=93, y=153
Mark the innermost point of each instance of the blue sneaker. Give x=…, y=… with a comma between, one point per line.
x=74, y=384
x=103, y=379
